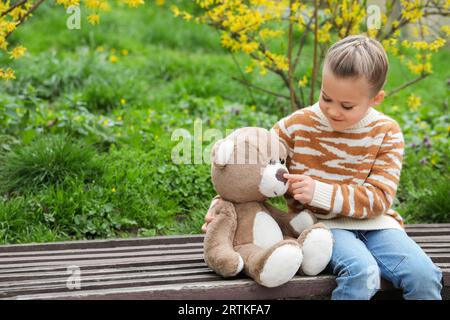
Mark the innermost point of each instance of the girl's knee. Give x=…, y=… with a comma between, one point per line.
x=420, y=269
x=421, y=279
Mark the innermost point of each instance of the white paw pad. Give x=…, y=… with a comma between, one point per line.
x=281, y=265
x=302, y=221
x=240, y=266
x=317, y=249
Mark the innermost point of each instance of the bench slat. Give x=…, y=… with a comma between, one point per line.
x=428, y=245
x=96, y=264
x=424, y=245
x=414, y=232
x=197, y=254
x=436, y=250
x=427, y=225
x=436, y=257
x=69, y=258
x=111, y=284
x=434, y=239
x=39, y=274
x=93, y=262
x=111, y=243
x=6, y=285
x=168, y=247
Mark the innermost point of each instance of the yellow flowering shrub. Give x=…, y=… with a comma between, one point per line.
x=251, y=26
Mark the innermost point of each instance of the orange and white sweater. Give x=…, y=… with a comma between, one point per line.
x=356, y=170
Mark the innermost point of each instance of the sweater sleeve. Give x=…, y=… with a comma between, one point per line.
x=375, y=196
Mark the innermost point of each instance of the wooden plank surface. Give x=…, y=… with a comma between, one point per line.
x=161, y=268
x=109, y=243
x=226, y=289
x=165, y=247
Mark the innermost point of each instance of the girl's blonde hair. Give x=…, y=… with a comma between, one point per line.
x=359, y=56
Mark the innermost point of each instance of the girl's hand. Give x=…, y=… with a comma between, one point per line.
x=301, y=187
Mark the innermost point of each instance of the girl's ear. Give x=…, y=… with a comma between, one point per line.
x=379, y=97
x=222, y=152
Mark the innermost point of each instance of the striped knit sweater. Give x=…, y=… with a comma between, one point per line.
x=356, y=170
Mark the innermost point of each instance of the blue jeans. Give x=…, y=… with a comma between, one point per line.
x=360, y=257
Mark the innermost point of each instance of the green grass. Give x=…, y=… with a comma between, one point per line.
x=48, y=160
x=86, y=144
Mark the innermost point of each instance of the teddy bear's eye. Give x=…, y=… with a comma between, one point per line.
x=282, y=161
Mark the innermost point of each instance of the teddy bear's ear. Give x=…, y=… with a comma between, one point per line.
x=222, y=152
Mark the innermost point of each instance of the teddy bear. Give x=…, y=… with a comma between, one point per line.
x=248, y=233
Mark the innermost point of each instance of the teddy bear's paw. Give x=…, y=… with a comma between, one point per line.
x=317, y=248
x=302, y=221
x=226, y=265
x=233, y=266
x=240, y=265
x=281, y=265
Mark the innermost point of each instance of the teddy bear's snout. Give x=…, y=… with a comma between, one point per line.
x=280, y=175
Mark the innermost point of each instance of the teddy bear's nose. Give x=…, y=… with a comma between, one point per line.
x=280, y=174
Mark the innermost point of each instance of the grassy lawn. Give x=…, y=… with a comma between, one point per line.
x=86, y=142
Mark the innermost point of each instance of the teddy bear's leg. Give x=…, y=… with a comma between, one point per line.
x=273, y=266
x=317, y=246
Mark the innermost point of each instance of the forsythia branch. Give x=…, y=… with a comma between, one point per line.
x=244, y=82
x=18, y=4
x=407, y=84
x=294, y=106
x=34, y=7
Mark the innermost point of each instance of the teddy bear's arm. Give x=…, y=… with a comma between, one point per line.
x=292, y=224
x=219, y=253
x=284, y=220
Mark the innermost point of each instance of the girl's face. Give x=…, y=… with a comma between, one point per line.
x=345, y=101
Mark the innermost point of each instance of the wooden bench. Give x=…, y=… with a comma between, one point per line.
x=170, y=267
